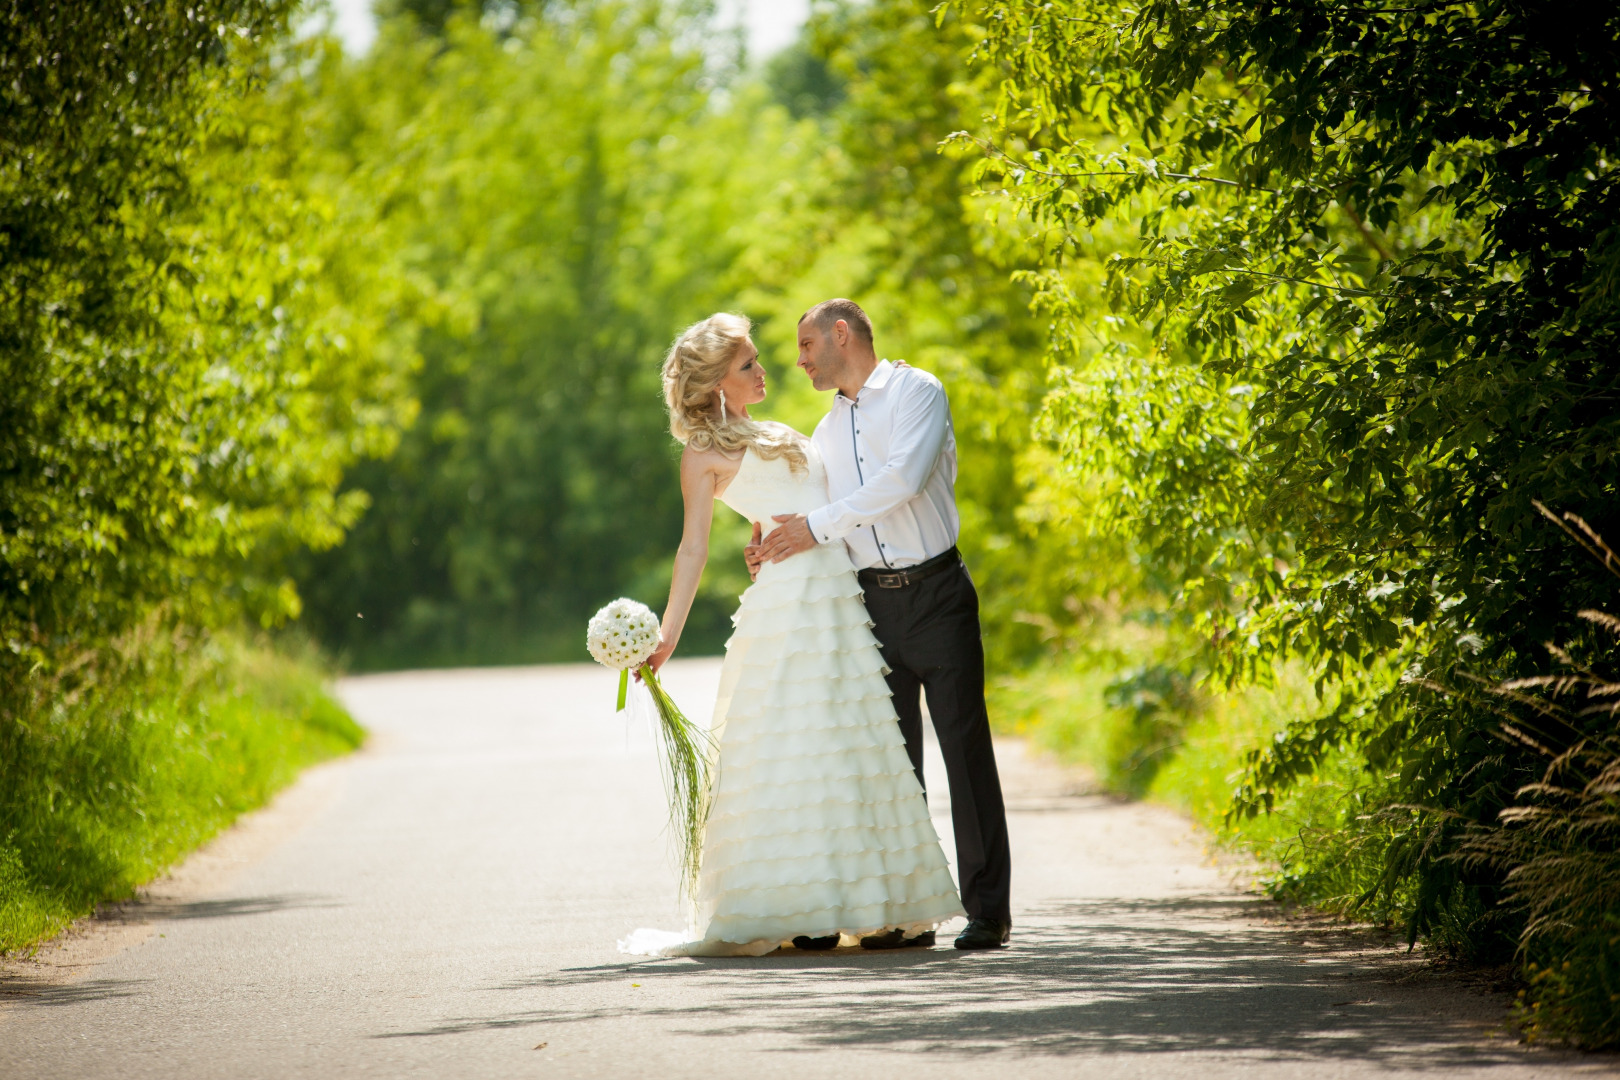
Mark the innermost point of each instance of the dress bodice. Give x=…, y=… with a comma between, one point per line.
x=767, y=486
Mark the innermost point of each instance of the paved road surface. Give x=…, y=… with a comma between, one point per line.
x=446, y=901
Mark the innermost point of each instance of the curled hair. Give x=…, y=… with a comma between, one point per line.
x=693, y=369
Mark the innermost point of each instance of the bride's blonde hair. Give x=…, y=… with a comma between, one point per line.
x=696, y=364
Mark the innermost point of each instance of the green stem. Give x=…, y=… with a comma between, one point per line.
x=686, y=779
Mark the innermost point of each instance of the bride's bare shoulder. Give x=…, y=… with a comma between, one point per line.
x=710, y=461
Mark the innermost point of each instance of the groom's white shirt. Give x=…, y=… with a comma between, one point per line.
x=891, y=470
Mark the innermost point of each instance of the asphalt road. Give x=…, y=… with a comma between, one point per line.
x=445, y=904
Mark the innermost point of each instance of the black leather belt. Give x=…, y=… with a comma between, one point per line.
x=910, y=575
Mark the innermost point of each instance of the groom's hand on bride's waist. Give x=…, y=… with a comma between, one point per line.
x=792, y=535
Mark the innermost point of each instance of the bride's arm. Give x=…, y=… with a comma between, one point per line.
x=697, y=489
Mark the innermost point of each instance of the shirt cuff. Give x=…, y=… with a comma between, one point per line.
x=820, y=528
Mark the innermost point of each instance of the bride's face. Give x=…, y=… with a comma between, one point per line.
x=744, y=384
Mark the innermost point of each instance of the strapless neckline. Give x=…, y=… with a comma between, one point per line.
x=762, y=488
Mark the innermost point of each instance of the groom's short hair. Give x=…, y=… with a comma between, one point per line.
x=824, y=314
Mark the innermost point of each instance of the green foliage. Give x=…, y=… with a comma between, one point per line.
x=1558, y=846
x=1115, y=707
x=184, y=379
x=574, y=189
x=1369, y=317
x=1155, y=699
x=193, y=350
x=889, y=220
x=111, y=773
x=1386, y=421
x=802, y=83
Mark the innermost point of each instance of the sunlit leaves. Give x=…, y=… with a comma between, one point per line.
x=1395, y=224
x=187, y=355
x=574, y=189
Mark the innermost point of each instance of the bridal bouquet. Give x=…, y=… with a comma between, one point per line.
x=622, y=636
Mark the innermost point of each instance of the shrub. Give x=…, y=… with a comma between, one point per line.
x=1558, y=846
x=114, y=768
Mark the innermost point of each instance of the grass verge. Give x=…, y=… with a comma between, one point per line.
x=113, y=770
x=1147, y=733
x=1145, y=737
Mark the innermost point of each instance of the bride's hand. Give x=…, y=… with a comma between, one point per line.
x=656, y=660
x=751, y=554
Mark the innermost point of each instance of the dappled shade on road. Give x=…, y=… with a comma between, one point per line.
x=1162, y=976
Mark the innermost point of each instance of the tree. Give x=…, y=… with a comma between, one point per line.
x=889, y=219
x=180, y=394
x=1376, y=274
x=575, y=191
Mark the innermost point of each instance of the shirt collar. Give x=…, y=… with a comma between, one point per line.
x=877, y=380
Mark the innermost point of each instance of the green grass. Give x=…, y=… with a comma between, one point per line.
x=1327, y=842
x=112, y=772
x=1183, y=746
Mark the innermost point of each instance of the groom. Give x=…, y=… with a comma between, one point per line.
x=891, y=474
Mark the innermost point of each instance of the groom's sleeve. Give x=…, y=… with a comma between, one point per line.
x=921, y=423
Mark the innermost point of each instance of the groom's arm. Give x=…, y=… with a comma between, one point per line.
x=921, y=424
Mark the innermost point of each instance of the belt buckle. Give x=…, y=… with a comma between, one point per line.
x=891, y=581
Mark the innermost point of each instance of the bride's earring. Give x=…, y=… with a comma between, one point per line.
x=723, y=407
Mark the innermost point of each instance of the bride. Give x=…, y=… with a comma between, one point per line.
x=817, y=826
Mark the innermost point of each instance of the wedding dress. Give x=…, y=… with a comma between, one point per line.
x=817, y=824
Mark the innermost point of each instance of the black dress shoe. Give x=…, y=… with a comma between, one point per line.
x=816, y=944
x=896, y=939
x=984, y=934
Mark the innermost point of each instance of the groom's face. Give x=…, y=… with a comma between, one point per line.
x=820, y=354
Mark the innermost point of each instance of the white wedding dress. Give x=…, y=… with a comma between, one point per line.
x=817, y=824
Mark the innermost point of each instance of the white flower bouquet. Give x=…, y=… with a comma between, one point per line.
x=622, y=636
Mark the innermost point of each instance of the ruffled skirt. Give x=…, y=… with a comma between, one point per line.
x=817, y=824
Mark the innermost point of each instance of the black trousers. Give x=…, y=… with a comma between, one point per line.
x=929, y=632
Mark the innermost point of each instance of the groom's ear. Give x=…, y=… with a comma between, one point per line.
x=841, y=332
